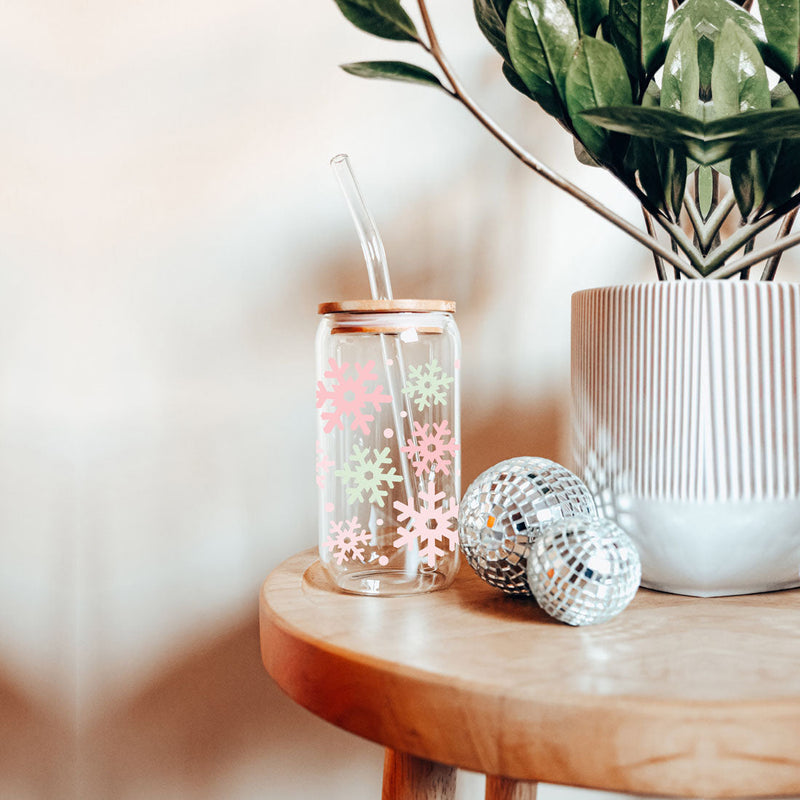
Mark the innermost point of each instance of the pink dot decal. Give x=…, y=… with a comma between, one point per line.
x=388, y=433
x=329, y=507
x=404, y=414
x=457, y=363
x=383, y=561
x=389, y=362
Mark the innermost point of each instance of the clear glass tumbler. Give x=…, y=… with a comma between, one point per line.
x=388, y=452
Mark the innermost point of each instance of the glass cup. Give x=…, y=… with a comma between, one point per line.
x=388, y=452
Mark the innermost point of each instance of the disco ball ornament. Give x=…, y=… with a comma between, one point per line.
x=503, y=511
x=583, y=570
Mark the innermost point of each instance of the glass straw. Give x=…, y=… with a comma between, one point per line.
x=380, y=284
x=381, y=289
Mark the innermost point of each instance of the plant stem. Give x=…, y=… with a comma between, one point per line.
x=734, y=242
x=708, y=229
x=779, y=246
x=690, y=270
x=772, y=265
x=661, y=270
x=716, y=259
x=674, y=229
x=681, y=240
x=675, y=249
x=748, y=248
x=695, y=218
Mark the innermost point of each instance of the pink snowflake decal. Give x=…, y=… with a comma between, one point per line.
x=429, y=524
x=350, y=396
x=344, y=540
x=323, y=465
x=431, y=450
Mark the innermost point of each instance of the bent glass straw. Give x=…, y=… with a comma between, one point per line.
x=381, y=289
x=380, y=284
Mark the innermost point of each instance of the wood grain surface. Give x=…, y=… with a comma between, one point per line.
x=695, y=697
x=498, y=788
x=407, y=777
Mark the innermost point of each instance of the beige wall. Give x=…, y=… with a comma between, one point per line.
x=168, y=223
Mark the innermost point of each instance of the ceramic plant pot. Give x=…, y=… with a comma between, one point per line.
x=686, y=428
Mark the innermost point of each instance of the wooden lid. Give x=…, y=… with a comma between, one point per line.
x=386, y=306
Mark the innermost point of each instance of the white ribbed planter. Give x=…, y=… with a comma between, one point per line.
x=686, y=428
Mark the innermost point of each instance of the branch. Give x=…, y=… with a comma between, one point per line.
x=782, y=210
x=735, y=241
x=690, y=270
x=661, y=270
x=717, y=257
x=676, y=233
x=779, y=246
x=772, y=264
x=706, y=230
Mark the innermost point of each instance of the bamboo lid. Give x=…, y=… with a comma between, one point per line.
x=386, y=306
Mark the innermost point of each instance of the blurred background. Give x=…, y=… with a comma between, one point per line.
x=168, y=224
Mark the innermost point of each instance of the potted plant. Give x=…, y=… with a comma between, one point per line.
x=685, y=390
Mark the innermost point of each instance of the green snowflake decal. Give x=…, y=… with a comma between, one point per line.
x=366, y=476
x=429, y=383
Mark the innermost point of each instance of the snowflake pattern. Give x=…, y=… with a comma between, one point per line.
x=349, y=395
x=427, y=384
x=419, y=527
x=323, y=465
x=344, y=540
x=367, y=476
x=431, y=450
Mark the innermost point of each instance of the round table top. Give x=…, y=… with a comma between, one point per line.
x=676, y=696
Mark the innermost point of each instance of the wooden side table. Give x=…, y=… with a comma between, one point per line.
x=677, y=696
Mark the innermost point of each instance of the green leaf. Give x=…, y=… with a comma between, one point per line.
x=739, y=84
x=680, y=85
x=542, y=38
x=705, y=190
x=673, y=167
x=739, y=77
x=705, y=66
x=642, y=159
x=511, y=76
x=393, y=71
x=384, y=18
x=637, y=30
x=492, y=25
x=751, y=175
x=583, y=155
x=707, y=142
x=680, y=92
x=588, y=14
x=708, y=18
x=781, y=20
x=491, y=16
x=785, y=178
x=596, y=77
x=782, y=96
x=501, y=6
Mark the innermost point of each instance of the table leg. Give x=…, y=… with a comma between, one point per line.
x=498, y=788
x=407, y=777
